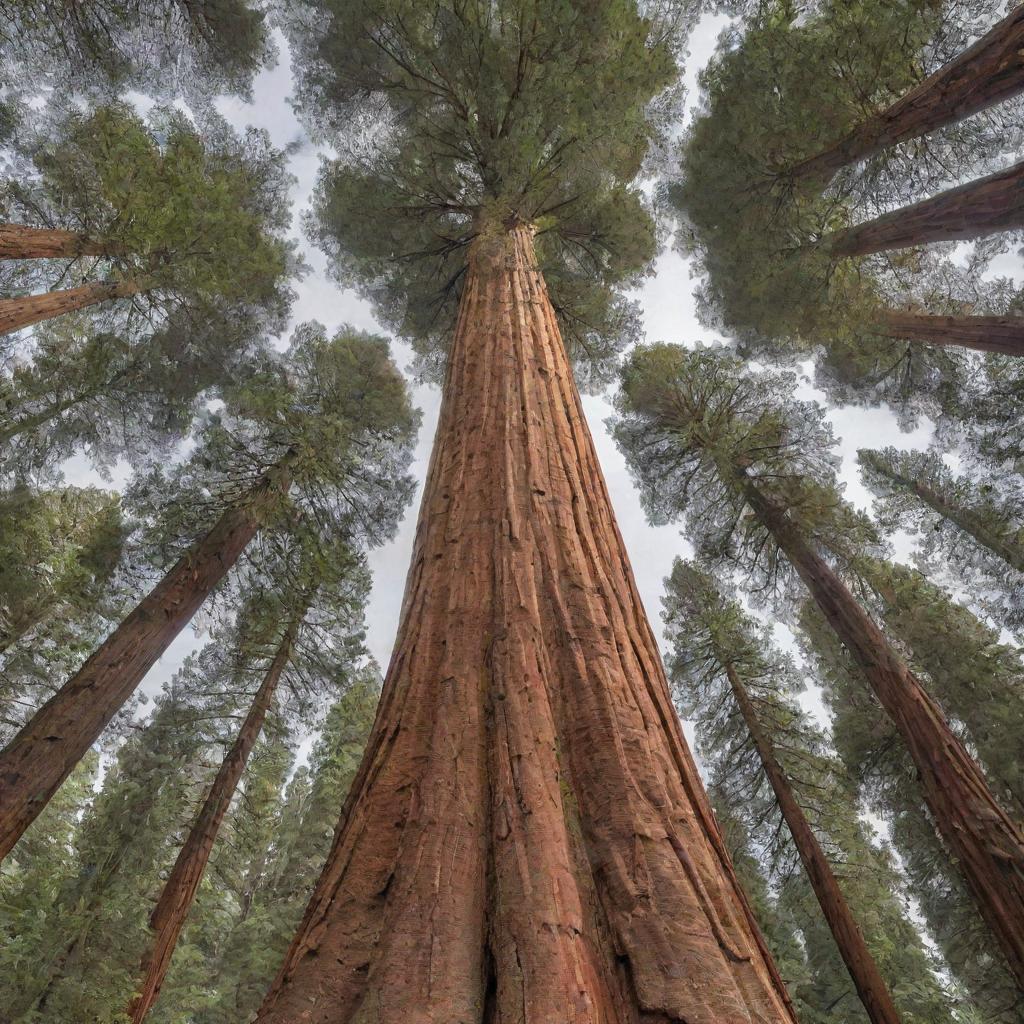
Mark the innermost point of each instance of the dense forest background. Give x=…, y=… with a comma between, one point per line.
x=211, y=400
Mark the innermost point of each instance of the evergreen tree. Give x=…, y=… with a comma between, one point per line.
x=741, y=694
x=754, y=472
x=159, y=212
x=320, y=438
x=484, y=202
x=973, y=526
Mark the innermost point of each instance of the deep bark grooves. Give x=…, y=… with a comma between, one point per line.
x=981, y=207
x=989, y=72
x=988, y=845
x=172, y=909
x=519, y=843
x=972, y=524
x=21, y=242
x=25, y=310
x=867, y=979
x=43, y=754
x=1002, y=334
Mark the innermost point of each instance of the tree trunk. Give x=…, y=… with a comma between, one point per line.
x=42, y=755
x=21, y=242
x=172, y=909
x=527, y=837
x=987, y=844
x=867, y=979
x=25, y=310
x=1002, y=334
x=989, y=72
x=975, y=525
x=981, y=207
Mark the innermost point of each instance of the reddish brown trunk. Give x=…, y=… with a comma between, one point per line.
x=172, y=909
x=42, y=755
x=25, y=310
x=987, y=844
x=867, y=979
x=527, y=838
x=1002, y=334
x=21, y=242
x=989, y=72
x=981, y=207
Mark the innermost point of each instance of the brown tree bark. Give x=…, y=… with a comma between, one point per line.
x=25, y=310
x=21, y=242
x=42, y=755
x=179, y=891
x=982, y=207
x=867, y=979
x=989, y=72
x=1002, y=334
x=987, y=844
x=527, y=838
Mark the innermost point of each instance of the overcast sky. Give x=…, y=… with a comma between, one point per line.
x=669, y=315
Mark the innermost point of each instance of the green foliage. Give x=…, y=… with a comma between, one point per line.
x=455, y=118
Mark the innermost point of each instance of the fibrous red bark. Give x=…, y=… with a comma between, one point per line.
x=867, y=979
x=1002, y=334
x=21, y=242
x=25, y=310
x=527, y=838
x=179, y=891
x=989, y=72
x=987, y=844
x=43, y=754
x=982, y=207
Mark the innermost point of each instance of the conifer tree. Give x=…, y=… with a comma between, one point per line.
x=159, y=212
x=754, y=472
x=321, y=438
x=526, y=750
x=973, y=526
x=741, y=694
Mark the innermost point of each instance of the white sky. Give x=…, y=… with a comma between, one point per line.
x=669, y=315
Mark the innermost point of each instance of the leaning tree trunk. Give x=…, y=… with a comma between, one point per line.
x=1002, y=334
x=989, y=72
x=55, y=739
x=974, y=523
x=867, y=979
x=179, y=891
x=981, y=207
x=25, y=310
x=527, y=837
x=21, y=242
x=987, y=844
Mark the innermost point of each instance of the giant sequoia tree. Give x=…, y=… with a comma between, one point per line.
x=527, y=836
x=319, y=438
x=754, y=473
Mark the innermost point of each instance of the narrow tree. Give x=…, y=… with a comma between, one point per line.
x=527, y=836
x=723, y=663
x=324, y=436
x=755, y=471
x=983, y=207
x=989, y=72
x=1001, y=334
x=171, y=215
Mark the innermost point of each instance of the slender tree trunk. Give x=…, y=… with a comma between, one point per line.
x=42, y=755
x=1002, y=334
x=867, y=979
x=172, y=909
x=982, y=207
x=973, y=523
x=987, y=844
x=21, y=242
x=25, y=310
x=527, y=837
x=989, y=72
x=37, y=419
